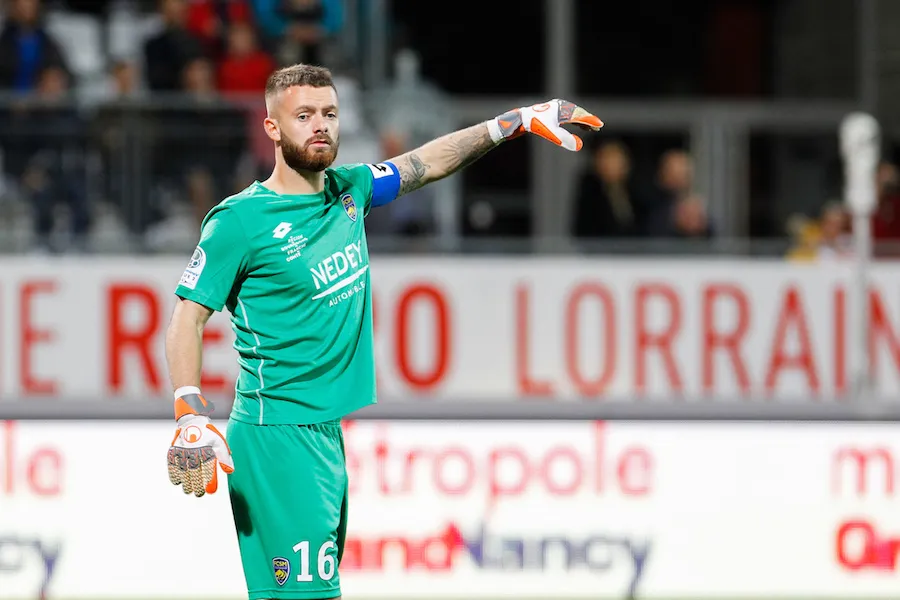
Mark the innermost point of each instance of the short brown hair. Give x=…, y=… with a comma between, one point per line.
x=299, y=74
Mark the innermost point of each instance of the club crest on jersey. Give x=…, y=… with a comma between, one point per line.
x=282, y=569
x=349, y=205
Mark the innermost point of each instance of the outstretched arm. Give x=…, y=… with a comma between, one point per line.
x=450, y=153
x=442, y=157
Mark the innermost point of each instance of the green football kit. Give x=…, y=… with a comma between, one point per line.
x=293, y=272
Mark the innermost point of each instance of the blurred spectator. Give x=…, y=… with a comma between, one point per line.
x=805, y=233
x=26, y=48
x=46, y=140
x=690, y=220
x=300, y=28
x=606, y=202
x=243, y=72
x=886, y=218
x=211, y=20
x=674, y=181
x=245, y=67
x=167, y=53
x=834, y=227
x=119, y=134
x=124, y=80
x=199, y=145
x=824, y=238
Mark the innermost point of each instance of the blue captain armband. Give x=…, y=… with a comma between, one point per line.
x=385, y=183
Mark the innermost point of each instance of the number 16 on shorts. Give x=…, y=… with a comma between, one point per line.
x=326, y=565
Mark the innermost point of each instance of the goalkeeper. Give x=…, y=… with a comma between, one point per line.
x=287, y=257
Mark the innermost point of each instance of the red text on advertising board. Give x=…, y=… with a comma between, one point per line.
x=127, y=340
x=392, y=467
x=430, y=297
x=38, y=471
x=791, y=349
x=32, y=335
x=427, y=334
x=136, y=341
x=859, y=545
x=866, y=471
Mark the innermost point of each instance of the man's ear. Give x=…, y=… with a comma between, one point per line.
x=272, y=130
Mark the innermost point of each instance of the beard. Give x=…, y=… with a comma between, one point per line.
x=308, y=157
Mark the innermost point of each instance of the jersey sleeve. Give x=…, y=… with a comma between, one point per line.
x=220, y=258
x=380, y=182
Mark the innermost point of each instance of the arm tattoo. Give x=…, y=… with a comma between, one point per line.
x=442, y=157
x=412, y=173
x=466, y=146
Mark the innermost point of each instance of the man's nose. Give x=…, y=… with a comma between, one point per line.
x=320, y=124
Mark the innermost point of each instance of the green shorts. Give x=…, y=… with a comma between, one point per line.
x=289, y=500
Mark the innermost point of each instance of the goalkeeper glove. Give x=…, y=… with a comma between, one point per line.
x=198, y=448
x=545, y=120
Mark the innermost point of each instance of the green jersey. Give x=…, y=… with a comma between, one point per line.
x=293, y=271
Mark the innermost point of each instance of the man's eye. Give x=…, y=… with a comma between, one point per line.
x=303, y=117
x=332, y=116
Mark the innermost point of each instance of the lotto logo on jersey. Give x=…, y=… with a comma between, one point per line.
x=282, y=230
x=349, y=205
x=195, y=267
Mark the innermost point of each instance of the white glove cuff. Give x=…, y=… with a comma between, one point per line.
x=183, y=421
x=187, y=389
x=494, y=130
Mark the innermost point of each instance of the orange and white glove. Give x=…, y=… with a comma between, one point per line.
x=198, y=448
x=545, y=120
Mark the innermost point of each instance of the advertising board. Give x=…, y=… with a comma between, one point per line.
x=482, y=329
x=479, y=510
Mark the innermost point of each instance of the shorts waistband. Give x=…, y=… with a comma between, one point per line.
x=330, y=424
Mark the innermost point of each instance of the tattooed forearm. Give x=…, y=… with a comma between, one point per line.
x=412, y=172
x=442, y=157
x=464, y=147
